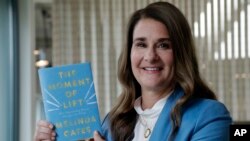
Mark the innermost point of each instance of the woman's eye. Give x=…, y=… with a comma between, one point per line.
x=164, y=45
x=140, y=45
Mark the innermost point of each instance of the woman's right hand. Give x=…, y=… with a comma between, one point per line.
x=44, y=131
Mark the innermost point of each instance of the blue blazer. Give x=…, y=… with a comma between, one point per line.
x=202, y=120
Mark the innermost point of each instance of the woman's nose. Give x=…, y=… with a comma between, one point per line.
x=151, y=55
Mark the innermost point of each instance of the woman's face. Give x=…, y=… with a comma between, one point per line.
x=152, y=55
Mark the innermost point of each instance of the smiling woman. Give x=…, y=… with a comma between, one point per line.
x=162, y=87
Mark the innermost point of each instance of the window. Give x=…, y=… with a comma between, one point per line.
x=9, y=82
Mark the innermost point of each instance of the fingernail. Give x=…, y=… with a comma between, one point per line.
x=53, y=133
x=51, y=126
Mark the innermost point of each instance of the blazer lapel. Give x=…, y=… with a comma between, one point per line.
x=163, y=125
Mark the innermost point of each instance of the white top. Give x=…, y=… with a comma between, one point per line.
x=147, y=118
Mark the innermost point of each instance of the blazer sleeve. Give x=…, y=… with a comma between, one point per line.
x=212, y=123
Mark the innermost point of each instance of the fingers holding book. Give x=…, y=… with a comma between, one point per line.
x=44, y=131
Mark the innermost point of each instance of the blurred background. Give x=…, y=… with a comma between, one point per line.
x=44, y=33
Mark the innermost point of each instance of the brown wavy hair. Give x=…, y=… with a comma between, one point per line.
x=123, y=117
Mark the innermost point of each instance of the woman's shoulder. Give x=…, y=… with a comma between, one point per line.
x=206, y=118
x=201, y=112
x=201, y=107
x=206, y=105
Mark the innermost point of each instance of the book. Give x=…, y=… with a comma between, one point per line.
x=70, y=101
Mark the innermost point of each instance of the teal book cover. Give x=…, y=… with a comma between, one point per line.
x=70, y=101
